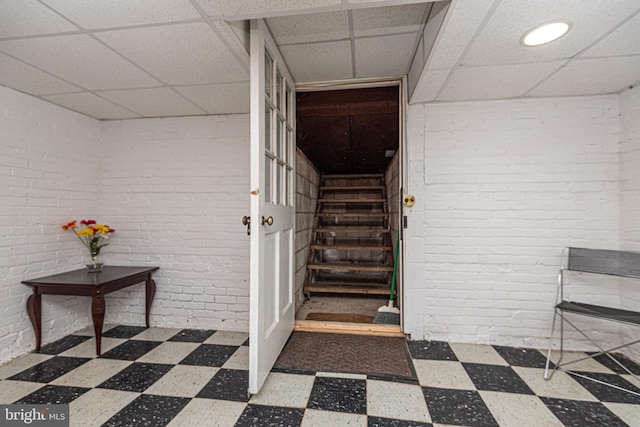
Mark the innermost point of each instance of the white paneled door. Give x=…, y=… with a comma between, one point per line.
x=272, y=283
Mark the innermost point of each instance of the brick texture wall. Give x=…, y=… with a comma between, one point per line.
x=176, y=189
x=501, y=187
x=49, y=174
x=307, y=181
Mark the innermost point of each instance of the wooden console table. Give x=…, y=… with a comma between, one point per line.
x=96, y=285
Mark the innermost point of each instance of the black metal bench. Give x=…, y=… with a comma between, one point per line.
x=602, y=262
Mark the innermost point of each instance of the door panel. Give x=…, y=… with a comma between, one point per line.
x=271, y=308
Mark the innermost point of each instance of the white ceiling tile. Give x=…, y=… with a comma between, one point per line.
x=499, y=42
x=92, y=105
x=388, y=20
x=246, y=9
x=384, y=56
x=310, y=28
x=224, y=98
x=153, y=102
x=318, y=61
x=459, y=27
x=427, y=88
x=623, y=41
x=591, y=76
x=113, y=13
x=25, y=78
x=28, y=17
x=495, y=82
x=181, y=54
x=80, y=60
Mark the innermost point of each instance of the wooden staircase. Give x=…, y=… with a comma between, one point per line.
x=351, y=246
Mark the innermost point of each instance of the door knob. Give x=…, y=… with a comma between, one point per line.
x=268, y=221
x=246, y=220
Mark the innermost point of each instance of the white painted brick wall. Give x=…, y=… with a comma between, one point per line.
x=501, y=187
x=49, y=174
x=630, y=198
x=176, y=189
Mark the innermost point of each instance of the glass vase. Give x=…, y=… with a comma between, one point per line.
x=94, y=266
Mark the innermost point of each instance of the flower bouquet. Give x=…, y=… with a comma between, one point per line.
x=93, y=236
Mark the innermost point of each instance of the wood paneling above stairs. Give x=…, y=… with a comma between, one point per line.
x=351, y=247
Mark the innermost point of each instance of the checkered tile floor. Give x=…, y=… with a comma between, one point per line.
x=156, y=377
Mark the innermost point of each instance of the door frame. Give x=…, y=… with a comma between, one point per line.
x=402, y=160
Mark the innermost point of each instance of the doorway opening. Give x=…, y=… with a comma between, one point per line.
x=348, y=209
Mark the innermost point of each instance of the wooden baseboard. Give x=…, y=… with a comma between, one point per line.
x=348, y=328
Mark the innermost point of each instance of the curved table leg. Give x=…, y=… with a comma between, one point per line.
x=34, y=309
x=97, y=312
x=150, y=292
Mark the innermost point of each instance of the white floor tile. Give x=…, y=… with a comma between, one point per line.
x=92, y=373
x=10, y=390
x=169, y=352
x=98, y=405
x=442, y=374
x=315, y=418
x=182, y=381
x=522, y=410
x=477, y=353
x=209, y=412
x=395, y=400
x=587, y=365
x=156, y=334
x=227, y=338
x=560, y=386
x=88, y=348
x=628, y=413
x=285, y=390
x=238, y=360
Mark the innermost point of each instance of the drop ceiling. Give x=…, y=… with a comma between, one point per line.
x=117, y=59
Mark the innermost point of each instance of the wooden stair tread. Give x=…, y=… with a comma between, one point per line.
x=350, y=230
x=347, y=289
x=351, y=200
x=350, y=328
x=354, y=176
x=353, y=215
x=350, y=267
x=355, y=187
x=350, y=248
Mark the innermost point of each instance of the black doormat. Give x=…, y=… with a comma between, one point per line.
x=371, y=355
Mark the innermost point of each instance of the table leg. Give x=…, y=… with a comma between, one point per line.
x=97, y=312
x=34, y=309
x=150, y=288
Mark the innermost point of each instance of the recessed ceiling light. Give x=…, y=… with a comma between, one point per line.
x=545, y=33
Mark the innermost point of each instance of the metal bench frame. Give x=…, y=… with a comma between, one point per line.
x=595, y=261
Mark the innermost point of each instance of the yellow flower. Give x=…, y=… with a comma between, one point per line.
x=101, y=228
x=86, y=232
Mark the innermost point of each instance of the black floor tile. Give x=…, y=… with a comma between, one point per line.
x=339, y=394
x=122, y=331
x=64, y=344
x=270, y=416
x=526, y=357
x=629, y=364
x=210, y=355
x=192, y=335
x=576, y=413
x=131, y=350
x=458, y=407
x=496, y=378
x=227, y=384
x=605, y=393
x=50, y=369
x=246, y=342
x=54, y=394
x=148, y=410
x=431, y=350
x=136, y=377
x=388, y=422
